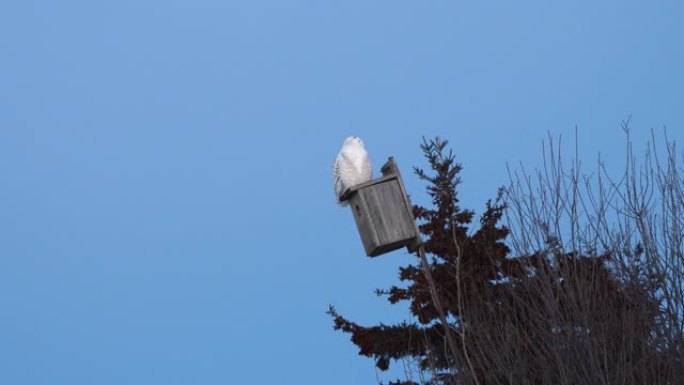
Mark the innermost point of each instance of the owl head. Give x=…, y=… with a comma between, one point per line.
x=353, y=141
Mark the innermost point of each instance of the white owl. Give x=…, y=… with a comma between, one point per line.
x=351, y=167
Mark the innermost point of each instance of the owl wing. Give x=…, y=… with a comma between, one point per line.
x=338, y=177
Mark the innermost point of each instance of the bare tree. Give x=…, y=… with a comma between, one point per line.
x=633, y=223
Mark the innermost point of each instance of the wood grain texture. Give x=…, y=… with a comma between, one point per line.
x=383, y=214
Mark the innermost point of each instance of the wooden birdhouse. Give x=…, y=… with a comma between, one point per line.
x=383, y=213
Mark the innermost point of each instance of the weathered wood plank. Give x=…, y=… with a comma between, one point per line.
x=346, y=194
x=364, y=223
x=391, y=168
x=388, y=211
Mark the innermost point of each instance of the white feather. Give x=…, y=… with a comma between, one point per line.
x=352, y=167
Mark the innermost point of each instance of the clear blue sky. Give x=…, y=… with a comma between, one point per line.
x=166, y=207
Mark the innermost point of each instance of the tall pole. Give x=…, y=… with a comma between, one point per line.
x=438, y=304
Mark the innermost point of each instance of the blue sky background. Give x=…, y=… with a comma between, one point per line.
x=166, y=208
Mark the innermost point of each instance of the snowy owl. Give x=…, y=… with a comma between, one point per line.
x=351, y=167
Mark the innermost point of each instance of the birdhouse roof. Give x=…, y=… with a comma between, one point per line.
x=350, y=191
